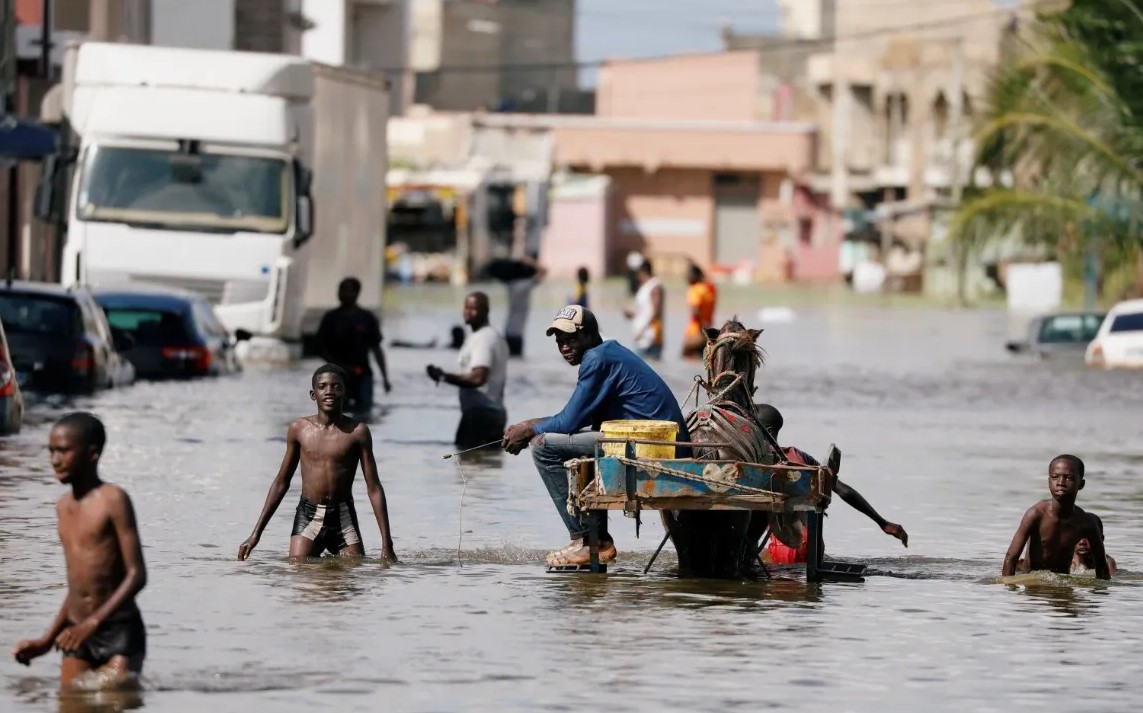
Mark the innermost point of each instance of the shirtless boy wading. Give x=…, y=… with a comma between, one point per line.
x=329, y=446
x=1052, y=528
x=98, y=628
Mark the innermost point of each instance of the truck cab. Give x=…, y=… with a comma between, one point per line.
x=190, y=172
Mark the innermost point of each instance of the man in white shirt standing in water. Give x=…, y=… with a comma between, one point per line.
x=483, y=365
x=647, y=317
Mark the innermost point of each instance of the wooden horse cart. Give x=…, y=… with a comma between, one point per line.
x=633, y=485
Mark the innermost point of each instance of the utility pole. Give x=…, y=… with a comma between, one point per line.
x=956, y=115
x=46, y=41
x=839, y=185
x=8, y=105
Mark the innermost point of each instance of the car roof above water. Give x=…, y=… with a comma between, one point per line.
x=1127, y=307
x=37, y=288
x=147, y=296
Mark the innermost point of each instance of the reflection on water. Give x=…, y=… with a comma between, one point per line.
x=941, y=431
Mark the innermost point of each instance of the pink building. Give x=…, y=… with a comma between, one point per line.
x=694, y=174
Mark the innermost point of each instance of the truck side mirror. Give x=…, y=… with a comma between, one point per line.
x=46, y=191
x=304, y=222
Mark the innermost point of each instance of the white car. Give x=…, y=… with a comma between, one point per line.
x=1119, y=342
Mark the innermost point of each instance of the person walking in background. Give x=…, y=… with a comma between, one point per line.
x=579, y=293
x=701, y=298
x=347, y=336
x=647, y=316
x=483, y=365
x=520, y=276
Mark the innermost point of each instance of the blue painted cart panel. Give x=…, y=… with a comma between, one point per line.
x=708, y=478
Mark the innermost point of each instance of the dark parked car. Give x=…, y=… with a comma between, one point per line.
x=176, y=334
x=1059, y=334
x=60, y=339
x=11, y=397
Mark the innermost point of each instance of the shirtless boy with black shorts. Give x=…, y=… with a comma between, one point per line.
x=1052, y=528
x=98, y=628
x=329, y=446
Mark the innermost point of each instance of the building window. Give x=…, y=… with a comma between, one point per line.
x=806, y=231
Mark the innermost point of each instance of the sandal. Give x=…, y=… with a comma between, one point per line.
x=580, y=556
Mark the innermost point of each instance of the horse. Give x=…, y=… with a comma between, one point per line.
x=724, y=543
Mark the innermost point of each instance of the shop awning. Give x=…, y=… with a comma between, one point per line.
x=25, y=139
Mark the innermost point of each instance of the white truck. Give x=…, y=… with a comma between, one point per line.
x=256, y=180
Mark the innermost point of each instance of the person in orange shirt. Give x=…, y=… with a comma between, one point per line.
x=701, y=297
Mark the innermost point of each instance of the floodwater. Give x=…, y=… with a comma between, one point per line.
x=940, y=430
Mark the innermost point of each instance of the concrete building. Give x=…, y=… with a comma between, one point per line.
x=510, y=54
x=370, y=35
x=893, y=88
x=718, y=176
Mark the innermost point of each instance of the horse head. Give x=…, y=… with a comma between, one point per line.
x=732, y=357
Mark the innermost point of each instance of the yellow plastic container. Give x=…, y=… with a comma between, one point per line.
x=645, y=430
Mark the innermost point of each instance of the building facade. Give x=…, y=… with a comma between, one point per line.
x=514, y=55
x=893, y=88
x=718, y=174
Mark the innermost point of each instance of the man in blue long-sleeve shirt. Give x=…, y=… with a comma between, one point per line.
x=614, y=384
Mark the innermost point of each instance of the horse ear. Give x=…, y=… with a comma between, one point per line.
x=754, y=333
x=711, y=334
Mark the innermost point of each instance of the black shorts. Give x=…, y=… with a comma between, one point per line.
x=122, y=635
x=329, y=524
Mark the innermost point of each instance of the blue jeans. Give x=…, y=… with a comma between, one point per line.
x=549, y=451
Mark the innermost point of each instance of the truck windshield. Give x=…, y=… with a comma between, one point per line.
x=167, y=189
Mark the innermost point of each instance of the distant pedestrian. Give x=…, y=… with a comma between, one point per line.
x=647, y=316
x=701, y=298
x=347, y=336
x=579, y=293
x=635, y=260
x=520, y=276
x=483, y=371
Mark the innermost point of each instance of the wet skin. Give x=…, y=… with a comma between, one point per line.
x=1052, y=528
x=329, y=446
x=104, y=557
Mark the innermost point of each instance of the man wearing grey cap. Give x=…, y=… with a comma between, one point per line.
x=614, y=384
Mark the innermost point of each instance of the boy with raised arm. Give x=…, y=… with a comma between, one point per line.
x=1051, y=529
x=329, y=446
x=98, y=628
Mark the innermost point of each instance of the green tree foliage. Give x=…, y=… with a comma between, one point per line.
x=1063, y=136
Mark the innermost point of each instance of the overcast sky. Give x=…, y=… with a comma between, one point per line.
x=646, y=28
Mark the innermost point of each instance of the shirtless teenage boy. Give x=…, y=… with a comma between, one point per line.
x=98, y=628
x=329, y=446
x=1052, y=528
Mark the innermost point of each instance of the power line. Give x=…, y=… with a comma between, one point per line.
x=779, y=45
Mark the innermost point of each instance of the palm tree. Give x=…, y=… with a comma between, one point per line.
x=1062, y=133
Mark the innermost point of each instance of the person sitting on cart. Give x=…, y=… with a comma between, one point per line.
x=613, y=384
x=771, y=419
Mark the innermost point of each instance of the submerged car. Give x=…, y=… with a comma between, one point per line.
x=1061, y=334
x=60, y=340
x=11, y=397
x=1119, y=343
x=176, y=333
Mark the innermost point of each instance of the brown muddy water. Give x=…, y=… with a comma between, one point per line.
x=940, y=430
